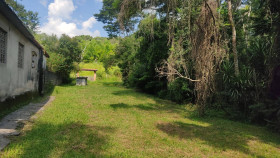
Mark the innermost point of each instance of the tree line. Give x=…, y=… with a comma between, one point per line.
x=221, y=55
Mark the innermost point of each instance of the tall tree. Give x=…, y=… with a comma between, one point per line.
x=234, y=49
x=109, y=15
x=275, y=10
x=29, y=18
x=50, y=42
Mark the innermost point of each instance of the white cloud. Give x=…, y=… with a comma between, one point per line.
x=60, y=11
x=89, y=23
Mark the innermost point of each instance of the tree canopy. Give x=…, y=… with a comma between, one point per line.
x=29, y=18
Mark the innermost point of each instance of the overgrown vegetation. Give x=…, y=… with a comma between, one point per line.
x=73, y=54
x=217, y=54
x=64, y=53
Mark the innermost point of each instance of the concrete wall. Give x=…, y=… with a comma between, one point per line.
x=51, y=78
x=13, y=80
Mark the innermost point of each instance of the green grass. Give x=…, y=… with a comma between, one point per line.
x=104, y=119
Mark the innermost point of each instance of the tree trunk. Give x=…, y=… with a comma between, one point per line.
x=236, y=67
x=277, y=39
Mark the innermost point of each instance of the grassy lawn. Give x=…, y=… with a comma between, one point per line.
x=107, y=120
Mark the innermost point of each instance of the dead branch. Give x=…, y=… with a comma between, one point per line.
x=167, y=71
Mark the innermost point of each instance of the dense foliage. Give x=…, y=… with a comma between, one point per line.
x=29, y=18
x=219, y=54
x=109, y=15
x=141, y=72
x=71, y=54
x=99, y=49
x=64, y=53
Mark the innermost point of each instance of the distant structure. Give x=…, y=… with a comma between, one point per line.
x=94, y=74
x=22, y=58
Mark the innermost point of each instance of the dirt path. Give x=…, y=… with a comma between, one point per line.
x=10, y=123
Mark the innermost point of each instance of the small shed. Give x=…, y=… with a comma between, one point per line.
x=89, y=77
x=81, y=81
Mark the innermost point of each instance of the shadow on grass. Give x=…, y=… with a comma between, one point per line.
x=71, y=84
x=131, y=93
x=146, y=107
x=112, y=84
x=120, y=106
x=158, y=106
x=219, y=135
x=64, y=140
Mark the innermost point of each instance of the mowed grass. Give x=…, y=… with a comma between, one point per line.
x=104, y=119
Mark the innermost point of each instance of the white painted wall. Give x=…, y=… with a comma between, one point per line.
x=13, y=80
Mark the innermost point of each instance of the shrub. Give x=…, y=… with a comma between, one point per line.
x=57, y=64
x=235, y=93
x=180, y=91
x=267, y=113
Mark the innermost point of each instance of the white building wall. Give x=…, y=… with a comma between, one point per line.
x=13, y=80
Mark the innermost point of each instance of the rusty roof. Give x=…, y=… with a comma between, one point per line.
x=89, y=70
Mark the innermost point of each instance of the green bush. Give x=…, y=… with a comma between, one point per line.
x=140, y=54
x=115, y=71
x=267, y=113
x=180, y=91
x=57, y=64
x=64, y=54
x=235, y=93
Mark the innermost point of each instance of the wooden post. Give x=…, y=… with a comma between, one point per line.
x=94, y=70
x=94, y=76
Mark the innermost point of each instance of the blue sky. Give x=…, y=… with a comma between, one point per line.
x=72, y=17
